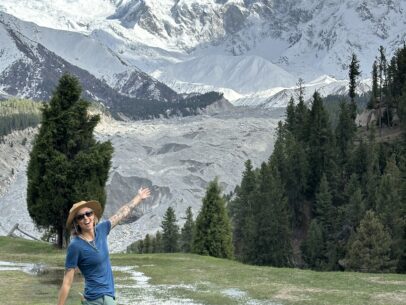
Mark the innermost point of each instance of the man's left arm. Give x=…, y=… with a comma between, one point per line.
x=126, y=209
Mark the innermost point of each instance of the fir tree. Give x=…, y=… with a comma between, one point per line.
x=354, y=73
x=390, y=208
x=323, y=208
x=66, y=164
x=375, y=92
x=345, y=132
x=242, y=214
x=321, y=144
x=157, y=246
x=296, y=170
x=382, y=84
x=213, y=229
x=187, y=232
x=290, y=116
x=313, y=247
x=272, y=243
x=147, y=244
x=301, y=116
x=356, y=202
x=369, y=250
x=170, y=232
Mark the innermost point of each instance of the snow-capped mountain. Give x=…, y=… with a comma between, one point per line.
x=244, y=48
x=32, y=59
x=24, y=42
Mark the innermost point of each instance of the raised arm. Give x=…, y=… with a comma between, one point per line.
x=126, y=209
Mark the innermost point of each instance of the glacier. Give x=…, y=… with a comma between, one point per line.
x=176, y=158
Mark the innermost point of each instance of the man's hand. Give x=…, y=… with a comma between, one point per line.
x=144, y=193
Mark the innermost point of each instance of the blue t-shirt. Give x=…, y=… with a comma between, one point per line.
x=93, y=263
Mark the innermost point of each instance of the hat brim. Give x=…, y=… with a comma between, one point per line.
x=92, y=204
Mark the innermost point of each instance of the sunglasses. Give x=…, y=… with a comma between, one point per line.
x=82, y=216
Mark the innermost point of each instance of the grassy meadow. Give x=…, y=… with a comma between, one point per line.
x=192, y=279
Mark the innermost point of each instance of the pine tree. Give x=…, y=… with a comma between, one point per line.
x=345, y=132
x=296, y=169
x=323, y=208
x=187, y=232
x=356, y=202
x=321, y=144
x=147, y=244
x=170, y=232
x=290, y=116
x=382, y=84
x=313, y=248
x=213, y=229
x=373, y=173
x=390, y=208
x=375, y=92
x=272, y=243
x=242, y=214
x=354, y=73
x=402, y=112
x=369, y=250
x=301, y=116
x=66, y=164
x=157, y=246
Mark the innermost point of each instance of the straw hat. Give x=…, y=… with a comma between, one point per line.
x=92, y=204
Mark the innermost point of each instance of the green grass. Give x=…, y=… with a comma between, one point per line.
x=203, y=279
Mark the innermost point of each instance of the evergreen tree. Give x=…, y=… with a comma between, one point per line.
x=375, y=92
x=372, y=174
x=301, y=116
x=170, y=232
x=321, y=144
x=140, y=246
x=402, y=112
x=354, y=73
x=369, y=250
x=290, y=116
x=272, y=243
x=147, y=244
x=213, y=229
x=313, y=247
x=296, y=170
x=157, y=246
x=187, y=232
x=390, y=208
x=242, y=214
x=356, y=202
x=323, y=208
x=66, y=164
x=358, y=163
x=382, y=84
x=345, y=132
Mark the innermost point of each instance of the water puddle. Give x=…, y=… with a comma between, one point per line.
x=135, y=287
x=132, y=286
x=47, y=275
x=243, y=298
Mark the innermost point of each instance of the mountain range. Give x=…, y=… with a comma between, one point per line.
x=249, y=50
x=148, y=58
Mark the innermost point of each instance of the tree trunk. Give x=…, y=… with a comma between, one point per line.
x=59, y=239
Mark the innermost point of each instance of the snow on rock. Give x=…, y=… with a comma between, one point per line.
x=246, y=47
x=242, y=74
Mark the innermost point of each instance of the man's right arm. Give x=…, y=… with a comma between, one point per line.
x=66, y=285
